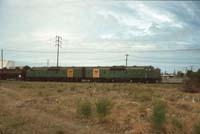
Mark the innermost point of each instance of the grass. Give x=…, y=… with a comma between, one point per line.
x=84, y=108
x=159, y=115
x=142, y=96
x=51, y=107
x=197, y=128
x=178, y=125
x=103, y=107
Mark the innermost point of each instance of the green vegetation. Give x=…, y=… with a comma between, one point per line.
x=60, y=132
x=197, y=128
x=60, y=90
x=85, y=109
x=178, y=125
x=159, y=112
x=61, y=107
x=192, y=82
x=103, y=107
x=143, y=96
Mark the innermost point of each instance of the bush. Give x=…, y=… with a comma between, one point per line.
x=143, y=96
x=103, y=107
x=60, y=90
x=190, y=86
x=159, y=111
x=197, y=128
x=177, y=124
x=85, y=109
x=40, y=93
x=192, y=82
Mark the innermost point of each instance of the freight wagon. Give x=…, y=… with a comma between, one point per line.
x=9, y=74
x=96, y=74
x=14, y=74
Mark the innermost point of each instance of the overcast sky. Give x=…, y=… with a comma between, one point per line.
x=98, y=27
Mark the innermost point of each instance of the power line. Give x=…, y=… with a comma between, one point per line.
x=164, y=58
x=138, y=51
x=132, y=59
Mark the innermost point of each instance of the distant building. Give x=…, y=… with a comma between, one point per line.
x=171, y=78
x=7, y=64
x=168, y=76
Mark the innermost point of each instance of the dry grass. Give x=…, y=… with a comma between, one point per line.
x=35, y=107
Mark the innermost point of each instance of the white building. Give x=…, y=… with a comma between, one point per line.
x=7, y=64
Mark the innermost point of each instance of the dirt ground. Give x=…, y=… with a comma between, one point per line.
x=51, y=108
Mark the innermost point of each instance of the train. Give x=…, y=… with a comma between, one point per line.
x=145, y=74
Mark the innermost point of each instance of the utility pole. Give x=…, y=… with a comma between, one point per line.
x=191, y=67
x=2, y=59
x=58, y=44
x=126, y=59
x=174, y=72
x=47, y=62
x=186, y=69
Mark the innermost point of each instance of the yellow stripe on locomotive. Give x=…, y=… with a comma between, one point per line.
x=96, y=73
x=70, y=72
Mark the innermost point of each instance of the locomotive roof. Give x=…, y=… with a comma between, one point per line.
x=112, y=67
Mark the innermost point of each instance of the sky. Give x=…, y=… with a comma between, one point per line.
x=101, y=33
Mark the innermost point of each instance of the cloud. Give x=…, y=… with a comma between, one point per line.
x=99, y=26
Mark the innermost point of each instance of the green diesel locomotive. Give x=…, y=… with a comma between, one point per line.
x=147, y=74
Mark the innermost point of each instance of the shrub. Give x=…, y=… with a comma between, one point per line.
x=177, y=124
x=143, y=96
x=85, y=109
x=191, y=82
x=197, y=128
x=103, y=107
x=40, y=93
x=60, y=132
x=159, y=111
x=60, y=90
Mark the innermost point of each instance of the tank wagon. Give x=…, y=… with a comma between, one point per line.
x=95, y=74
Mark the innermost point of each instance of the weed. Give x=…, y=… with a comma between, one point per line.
x=177, y=125
x=60, y=132
x=159, y=111
x=144, y=96
x=185, y=107
x=25, y=85
x=72, y=89
x=197, y=128
x=127, y=123
x=40, y=93
x=42, y=86
x=60, y=90
x=85, y=109
x=143, y=112
x=103, y=107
